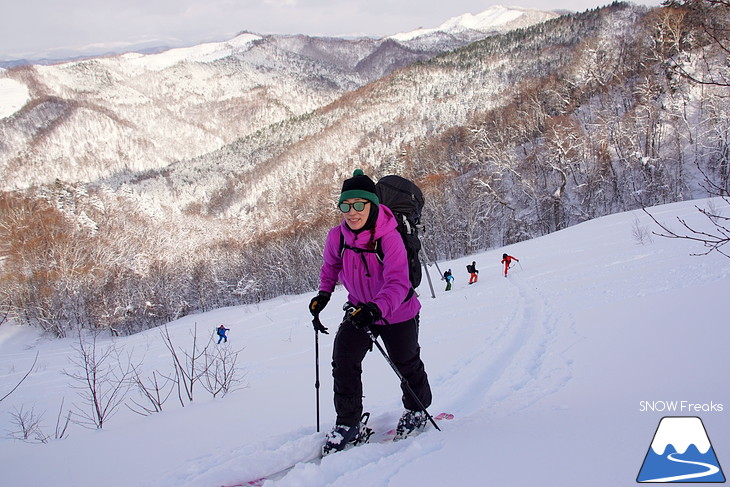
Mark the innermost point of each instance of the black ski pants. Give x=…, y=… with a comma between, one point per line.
x=350, y=346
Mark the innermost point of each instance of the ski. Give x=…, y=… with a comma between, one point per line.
x=259, y=482
x=317, y=457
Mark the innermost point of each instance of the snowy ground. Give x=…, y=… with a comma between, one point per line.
x=548, y=372
x=13, y=95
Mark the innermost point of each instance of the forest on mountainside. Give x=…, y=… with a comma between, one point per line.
x=582, y=116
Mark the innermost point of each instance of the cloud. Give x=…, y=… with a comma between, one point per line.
x=281, y=3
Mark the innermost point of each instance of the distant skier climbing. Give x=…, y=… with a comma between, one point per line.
x=507, y=261
x=473, y=272
x=221, y=330
x=449, y=278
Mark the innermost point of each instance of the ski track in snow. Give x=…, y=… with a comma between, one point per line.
x=543, y=372
x=523, y=368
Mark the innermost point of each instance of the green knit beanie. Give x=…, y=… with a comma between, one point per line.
x=359, y=186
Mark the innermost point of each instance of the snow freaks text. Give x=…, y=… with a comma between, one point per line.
x=683, y=407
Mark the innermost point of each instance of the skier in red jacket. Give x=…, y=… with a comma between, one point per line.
x=507, y=260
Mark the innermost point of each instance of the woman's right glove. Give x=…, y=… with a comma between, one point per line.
x=317, y=304
x=365, y=315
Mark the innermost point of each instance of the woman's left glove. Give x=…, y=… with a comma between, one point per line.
x=365, y=315
x=317, y=304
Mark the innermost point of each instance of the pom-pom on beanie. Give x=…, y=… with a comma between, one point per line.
x=359, y=186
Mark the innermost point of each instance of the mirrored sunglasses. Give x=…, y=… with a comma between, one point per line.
x=358, y=206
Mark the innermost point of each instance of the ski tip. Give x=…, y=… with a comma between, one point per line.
x=250, y=483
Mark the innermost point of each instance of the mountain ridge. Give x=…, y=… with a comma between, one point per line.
x=206, y=95
x=148, y=47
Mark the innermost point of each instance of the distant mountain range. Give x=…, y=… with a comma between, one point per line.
x=83, y=120
x=493, y=20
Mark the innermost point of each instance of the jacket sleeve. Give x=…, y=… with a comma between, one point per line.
x=397, y=283
x=331, y=261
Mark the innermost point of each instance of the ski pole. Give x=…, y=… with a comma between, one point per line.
x=316, y=371
x=403, y=380
x=317, y=328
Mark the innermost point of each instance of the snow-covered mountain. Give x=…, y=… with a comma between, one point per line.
x=471, y=27
x=545, y=371
x=93, y=118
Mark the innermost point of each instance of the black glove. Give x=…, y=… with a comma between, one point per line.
x=365, y=315
x=317, y=304
x=318, y=326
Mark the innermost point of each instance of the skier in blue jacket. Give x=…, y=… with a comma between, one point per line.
x=222, y=333
x=449, y=277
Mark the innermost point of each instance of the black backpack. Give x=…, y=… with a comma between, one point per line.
x=405, y=200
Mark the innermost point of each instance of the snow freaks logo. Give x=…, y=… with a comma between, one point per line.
x=680, y=452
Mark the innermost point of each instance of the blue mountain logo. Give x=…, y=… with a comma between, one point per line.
x=681, y=452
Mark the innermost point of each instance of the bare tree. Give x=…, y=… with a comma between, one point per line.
x=62, y=422
x=152, y=391
x=35, y=360
x=697, y=31
x=713, y=240
x=221, y=374
x=102, y=380
x=186, y=364
x=4, y=307
x=27, y=423
x=640, y=232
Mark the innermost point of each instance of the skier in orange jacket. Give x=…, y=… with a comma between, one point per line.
x=507, y=260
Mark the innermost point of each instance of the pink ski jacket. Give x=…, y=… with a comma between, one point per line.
x=367, y=279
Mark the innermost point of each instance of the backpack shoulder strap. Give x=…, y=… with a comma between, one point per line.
x=378, y=250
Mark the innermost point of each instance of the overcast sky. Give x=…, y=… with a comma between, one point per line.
x=38, y=28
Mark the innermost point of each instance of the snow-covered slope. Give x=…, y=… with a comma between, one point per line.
x=203, y=53
x=547, y=372
x=495, y=19
x=13, y=95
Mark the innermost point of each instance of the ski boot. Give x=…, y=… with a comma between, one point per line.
x=342, y=437
x=411, y=422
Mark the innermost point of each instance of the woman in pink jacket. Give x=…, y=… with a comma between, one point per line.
x=366, y=253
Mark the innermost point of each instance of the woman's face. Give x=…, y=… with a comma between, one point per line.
x=356, y=219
